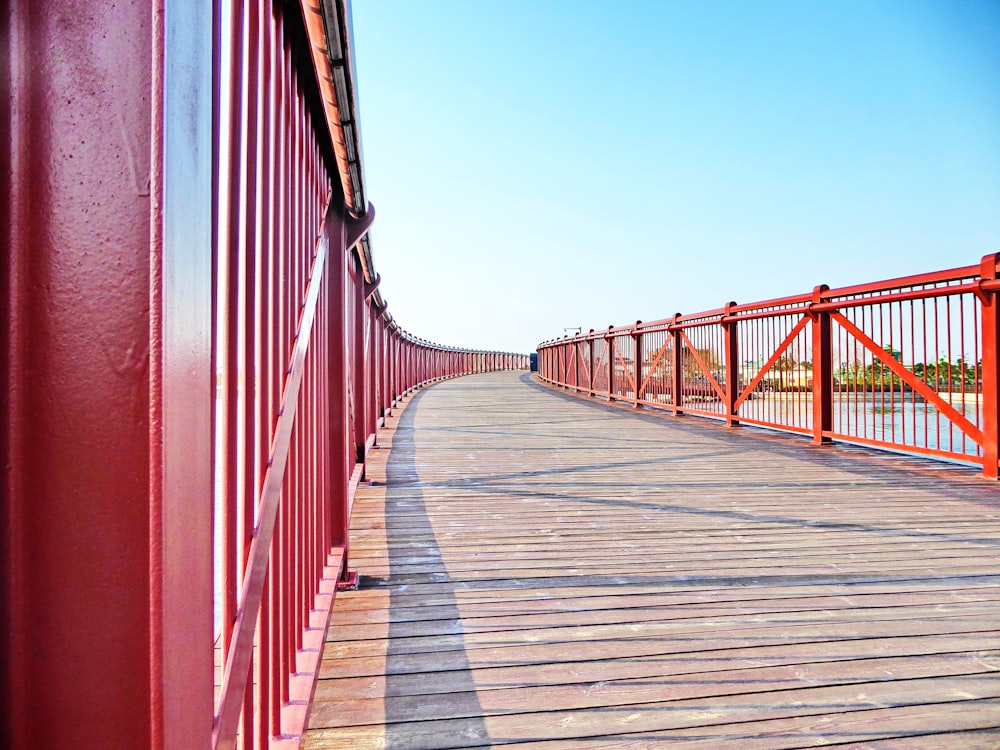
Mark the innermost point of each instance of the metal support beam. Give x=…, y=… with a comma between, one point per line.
x=990, y=308
x=822, y=371
x=106, y=562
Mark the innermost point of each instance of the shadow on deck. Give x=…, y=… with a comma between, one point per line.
x=542, y=569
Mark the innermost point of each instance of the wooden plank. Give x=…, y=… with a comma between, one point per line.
x=558, y=673
x=374, y=609
x=970, y=725
x=470, y=622
x=570, y=597
x=924, y=695
x=757, y=625
x=569, y=652
x=613, y=691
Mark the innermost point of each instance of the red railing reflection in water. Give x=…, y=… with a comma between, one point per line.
x=309, y=363
x=906, y=364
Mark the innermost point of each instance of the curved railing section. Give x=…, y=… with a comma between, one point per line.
x=309, y=360
x=198, y=362
x=907, y=364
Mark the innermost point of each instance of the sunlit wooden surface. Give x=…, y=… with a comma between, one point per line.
x=547, y=571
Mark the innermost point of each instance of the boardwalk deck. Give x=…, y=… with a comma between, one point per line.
x=541, y=570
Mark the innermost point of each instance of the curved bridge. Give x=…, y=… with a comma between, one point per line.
x=218, y=441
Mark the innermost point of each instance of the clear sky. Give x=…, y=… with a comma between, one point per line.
x=544, y=164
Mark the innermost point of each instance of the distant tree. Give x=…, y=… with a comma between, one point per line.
x=851, y=373
x=879, y=374
x=943, y=375
x=689, y=364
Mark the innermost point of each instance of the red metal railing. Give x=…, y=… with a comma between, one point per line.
x=906, y=364
x=309, y=361
x=186, y=267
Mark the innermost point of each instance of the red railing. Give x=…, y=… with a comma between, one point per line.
x=907, y=364
x=196, y=363
x=309, y=360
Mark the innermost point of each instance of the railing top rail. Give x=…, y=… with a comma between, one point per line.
x=917, y=280
x=914, y=286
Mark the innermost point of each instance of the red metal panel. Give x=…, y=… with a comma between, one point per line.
x=92, y=371
x=77, y=428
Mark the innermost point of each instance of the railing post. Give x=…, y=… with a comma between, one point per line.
x=561, y=363
x=822, y=353
x=397, y=368
x=609, y=351
x=990, y=366
x=576, y=364
x=359, y=380
x=565, y=361
x=387, y=365
x=732, y=364
x=637, y=350
x=385, y=359
x=678, y=369
x=339, y=373
x=591, y=376
x=373, y=366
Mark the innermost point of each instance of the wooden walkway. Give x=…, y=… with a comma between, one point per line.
x=546, y=571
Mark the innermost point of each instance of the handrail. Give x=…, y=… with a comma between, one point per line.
x=906, y=364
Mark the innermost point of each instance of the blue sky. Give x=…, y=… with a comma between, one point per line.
x=544, y=164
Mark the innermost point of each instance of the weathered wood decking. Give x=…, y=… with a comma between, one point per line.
x=541, y=569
